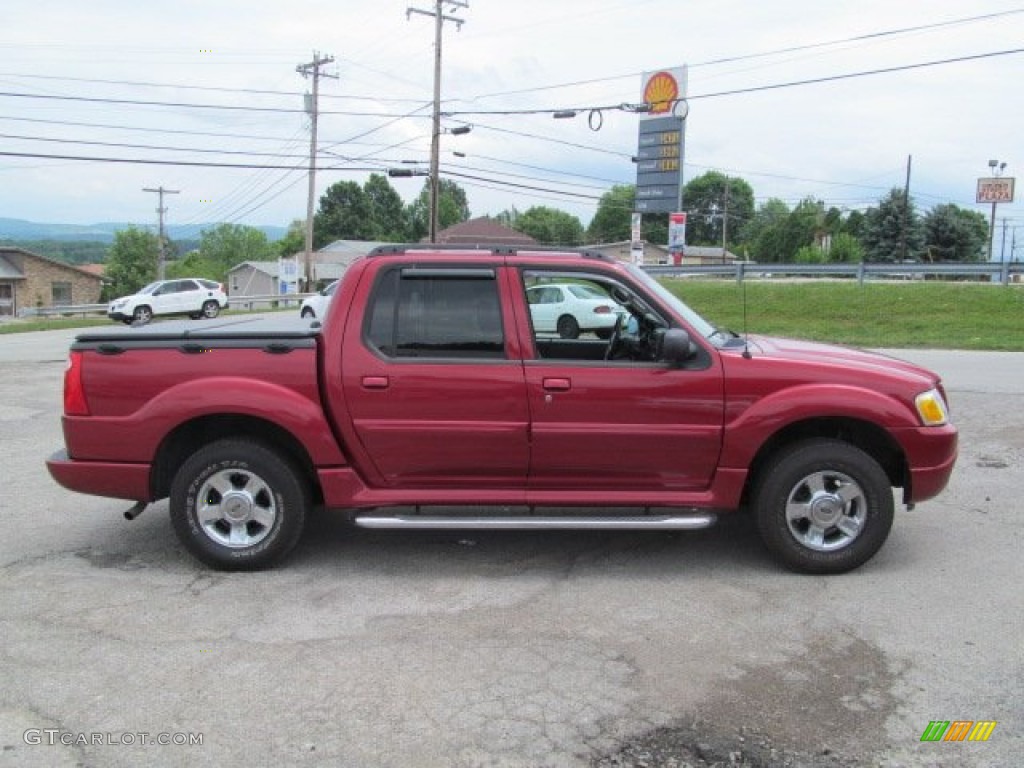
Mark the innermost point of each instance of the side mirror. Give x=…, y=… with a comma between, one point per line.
x=676, y=347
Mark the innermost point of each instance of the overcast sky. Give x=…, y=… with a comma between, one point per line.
x=844, y=140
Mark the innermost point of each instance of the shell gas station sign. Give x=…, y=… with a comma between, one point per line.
x=659, y=163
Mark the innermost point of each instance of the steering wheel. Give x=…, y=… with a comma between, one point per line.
x=613, y=340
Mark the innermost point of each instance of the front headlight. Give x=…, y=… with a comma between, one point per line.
x=932, y=408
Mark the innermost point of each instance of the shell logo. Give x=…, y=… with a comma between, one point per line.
x=661, y=92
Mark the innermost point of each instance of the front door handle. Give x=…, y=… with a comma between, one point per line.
x=375, y=382
x=556, y=385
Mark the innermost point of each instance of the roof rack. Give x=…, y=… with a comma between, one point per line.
x=476, y=248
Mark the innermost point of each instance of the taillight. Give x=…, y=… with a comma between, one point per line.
x=74, y=393
x=603, y=309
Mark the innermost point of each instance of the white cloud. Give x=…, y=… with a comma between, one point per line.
x=844, y=141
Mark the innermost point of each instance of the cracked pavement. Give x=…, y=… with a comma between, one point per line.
x=375, y=648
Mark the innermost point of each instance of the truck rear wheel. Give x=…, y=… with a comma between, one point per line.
x=823, y=506
x=238, y=505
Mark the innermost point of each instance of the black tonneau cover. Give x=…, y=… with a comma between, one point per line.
x=242, y=331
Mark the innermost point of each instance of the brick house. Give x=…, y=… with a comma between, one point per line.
x=30, y=280
x=483, y=231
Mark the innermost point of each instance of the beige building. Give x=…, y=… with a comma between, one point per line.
x=29, y=280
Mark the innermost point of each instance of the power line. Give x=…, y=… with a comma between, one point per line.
x=762, y=54
x=210, y=88
x=626, y=107
x=187, y=163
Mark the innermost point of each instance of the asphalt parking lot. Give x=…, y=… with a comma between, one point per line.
x=508, y=649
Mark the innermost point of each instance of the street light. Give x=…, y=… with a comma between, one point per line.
x=433, y=175
x=996, y=168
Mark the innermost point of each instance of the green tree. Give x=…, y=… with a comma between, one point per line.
x=613, y=219
x=550, y=226
x=344, y=214
x=764, y=231
x=846, y=248
x=886, y=229
x=294, y=240
x=710, y=198
x=507, y=217
x=809, y=254
x=132, y=261
x=853, y=224
x=452, y=208
x=387, y=212
x=222, y=248
x=952, y=233
x=805, y=226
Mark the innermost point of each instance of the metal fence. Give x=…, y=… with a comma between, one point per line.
x=994, y=272
x=266, y=301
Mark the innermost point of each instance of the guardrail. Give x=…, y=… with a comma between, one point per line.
x=996, y=272
x=268, y=301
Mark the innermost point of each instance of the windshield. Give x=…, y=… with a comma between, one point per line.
x=151, y=287
x=698, y=323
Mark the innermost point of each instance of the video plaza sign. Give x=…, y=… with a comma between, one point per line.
x=995, y=190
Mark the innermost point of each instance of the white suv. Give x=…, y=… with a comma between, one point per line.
x=317, y=304
x=192, y=296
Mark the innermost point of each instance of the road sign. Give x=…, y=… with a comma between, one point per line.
x=995, y=190
x=659, y=156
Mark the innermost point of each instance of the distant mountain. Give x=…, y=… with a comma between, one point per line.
x=20, y=229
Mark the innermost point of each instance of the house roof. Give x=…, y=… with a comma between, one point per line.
x=7, y=251
x=353, y=248
x=482, y=230
x=266, y=267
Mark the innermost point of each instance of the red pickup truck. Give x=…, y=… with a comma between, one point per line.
x=429, y=398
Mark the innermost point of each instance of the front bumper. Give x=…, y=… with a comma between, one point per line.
x=931, y=458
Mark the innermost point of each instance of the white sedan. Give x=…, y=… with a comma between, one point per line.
x=317, y=304
x=570, y=309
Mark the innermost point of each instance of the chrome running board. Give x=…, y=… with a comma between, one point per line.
x=527, y=522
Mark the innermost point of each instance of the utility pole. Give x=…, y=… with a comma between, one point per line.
x=725, y=219
x=906, y=212
x=435, y=136
x=312, y=107
x=161, y=210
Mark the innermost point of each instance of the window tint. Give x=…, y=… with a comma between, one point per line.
x=436, y=314
x=587, y=292
x=575, y=318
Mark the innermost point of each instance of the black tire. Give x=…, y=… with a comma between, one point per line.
x=567, y=327
x=823, y=506
x=255, y=504
x=604, y=333
x=142, y=314
x=308, y=313
x=211, y=309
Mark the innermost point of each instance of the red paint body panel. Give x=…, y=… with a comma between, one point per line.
x=515, y=429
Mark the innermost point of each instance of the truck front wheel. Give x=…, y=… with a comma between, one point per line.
x=823, y=506
x=238, y=505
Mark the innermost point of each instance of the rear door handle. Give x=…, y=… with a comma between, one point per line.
x=556, y=385
x=375, y=382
